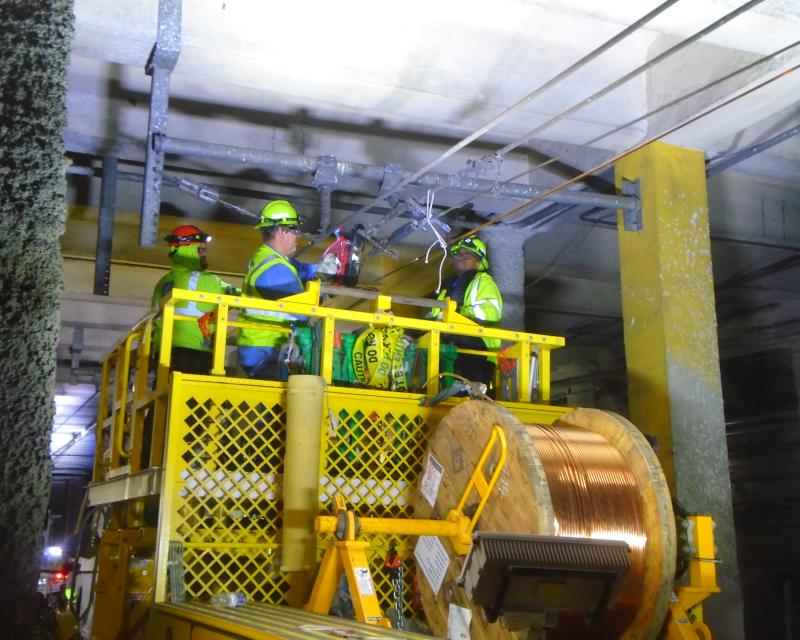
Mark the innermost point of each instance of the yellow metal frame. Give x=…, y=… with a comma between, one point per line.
x=134, y=388
x=372, y=443
x=348, y=555
x=113, y=615
x=685, y=617
x=373, y=448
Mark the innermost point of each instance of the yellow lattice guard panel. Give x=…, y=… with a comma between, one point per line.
x=222, y=496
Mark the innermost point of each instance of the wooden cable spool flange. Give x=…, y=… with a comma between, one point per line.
x=522, y=503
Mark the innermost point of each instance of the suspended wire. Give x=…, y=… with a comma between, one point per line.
x=569, y=152
x=597, y=95
x=515, y=107
x=563, y=253
x=439, y=239
x=625, y=125
x=632, y=74
x=649, y=114
x=606, y=163
x=614, y=85
x=636, y=147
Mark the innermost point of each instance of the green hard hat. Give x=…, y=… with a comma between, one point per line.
x=278, y=213
x=476, y=247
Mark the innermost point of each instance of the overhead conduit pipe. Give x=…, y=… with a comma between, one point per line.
x=291, y=163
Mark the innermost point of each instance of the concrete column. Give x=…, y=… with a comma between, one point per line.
x=674, y=386
x=507, y=266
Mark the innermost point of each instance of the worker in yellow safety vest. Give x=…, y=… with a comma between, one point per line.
x=477, y=298
x=191, y=348
x=272, y=274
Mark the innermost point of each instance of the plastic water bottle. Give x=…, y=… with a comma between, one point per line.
x=225, y=599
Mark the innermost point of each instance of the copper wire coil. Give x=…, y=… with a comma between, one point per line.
x=594, y=495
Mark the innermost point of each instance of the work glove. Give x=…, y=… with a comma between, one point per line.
x=328, y=266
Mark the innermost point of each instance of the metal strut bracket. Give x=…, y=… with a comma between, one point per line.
x=162, y=61
x=325, y=179
x=632, y=218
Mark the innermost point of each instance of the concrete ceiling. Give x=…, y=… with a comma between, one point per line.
x=401, y=85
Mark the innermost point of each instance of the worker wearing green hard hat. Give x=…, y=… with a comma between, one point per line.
x=273, y=274
x=477, y=298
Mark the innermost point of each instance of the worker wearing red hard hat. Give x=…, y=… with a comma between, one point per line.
x=191, y=350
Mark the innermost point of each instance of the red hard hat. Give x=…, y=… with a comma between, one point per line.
x=187, y=234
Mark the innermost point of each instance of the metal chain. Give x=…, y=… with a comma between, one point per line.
x=397, y=582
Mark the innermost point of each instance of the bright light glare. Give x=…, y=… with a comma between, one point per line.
x=53, y=552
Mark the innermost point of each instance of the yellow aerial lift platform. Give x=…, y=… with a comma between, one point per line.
x=211, y=484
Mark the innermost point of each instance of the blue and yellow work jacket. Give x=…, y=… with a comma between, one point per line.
x=271, y=275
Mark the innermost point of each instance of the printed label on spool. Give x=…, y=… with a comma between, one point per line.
x=458, y=619
x=431, y=479
x=432, y=558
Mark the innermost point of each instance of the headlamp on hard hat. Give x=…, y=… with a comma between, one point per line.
x=476, y=247
x=187, y=234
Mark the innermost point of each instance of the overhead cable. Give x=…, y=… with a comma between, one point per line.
x=598, y=94
x=629, y=123
x=609, y=161
x=636, y=147
x=630, y=75
x=515, y=107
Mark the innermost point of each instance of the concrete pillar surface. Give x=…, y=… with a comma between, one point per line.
x=670, y=327
x=507, y=266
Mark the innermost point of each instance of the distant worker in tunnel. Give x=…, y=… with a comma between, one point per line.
x=477, y=298
x=272, y=274
x=191, y=349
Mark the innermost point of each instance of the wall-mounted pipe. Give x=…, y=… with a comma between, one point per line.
x=105, y=226
x=715, y=166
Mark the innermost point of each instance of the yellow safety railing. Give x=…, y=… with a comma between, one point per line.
x=521, y=346
x=133, y=399
x=135, y=387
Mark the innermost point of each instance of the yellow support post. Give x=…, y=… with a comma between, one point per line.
x=118, y=451
x=432, y=342
x=671, y=345
x=326, y=349
x=167, y=321
x=382, y=303
x=220, y=340
x=668, y=301
x=105, y=377
x=544, y=374
x=524, y=372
